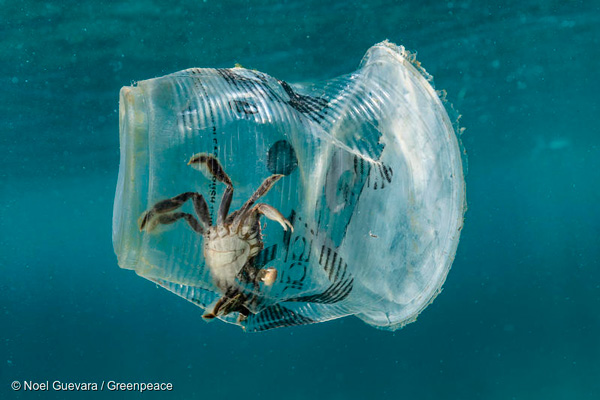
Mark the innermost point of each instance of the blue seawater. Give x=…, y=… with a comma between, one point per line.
x=518, y=317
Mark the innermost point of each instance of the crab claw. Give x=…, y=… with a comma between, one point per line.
x=268, y=276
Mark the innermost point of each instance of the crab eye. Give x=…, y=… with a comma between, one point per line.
x=366, y=169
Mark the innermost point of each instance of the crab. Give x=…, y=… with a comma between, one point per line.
x=230, y=246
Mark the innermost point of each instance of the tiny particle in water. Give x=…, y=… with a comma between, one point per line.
x=15, y=79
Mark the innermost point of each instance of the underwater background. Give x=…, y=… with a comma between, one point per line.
x=518, y=317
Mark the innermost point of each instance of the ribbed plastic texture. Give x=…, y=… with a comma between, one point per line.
x=373, y=187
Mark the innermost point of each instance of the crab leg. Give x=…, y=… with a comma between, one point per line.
x=228, y=304
x=261, y=191
x=172, y=217
x=268, y=211
x=209, y=165
x=166, y=206
x=213, y=314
